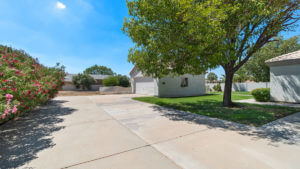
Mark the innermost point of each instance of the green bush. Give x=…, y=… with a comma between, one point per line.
x=83, y=81
x=111, y=81
x=123, y=81
x=217, y=87
x=261, y=95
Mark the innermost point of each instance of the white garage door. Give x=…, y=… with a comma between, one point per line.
x=144, y=86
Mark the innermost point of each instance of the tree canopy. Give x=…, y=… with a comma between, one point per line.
x=111, y=81
x=190, y=36
x=256, y=69
x=83, y=81
x=99, y=70
x=123, y=80
x=211, y=77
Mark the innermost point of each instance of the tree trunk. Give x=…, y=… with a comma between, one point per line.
x=227, y=102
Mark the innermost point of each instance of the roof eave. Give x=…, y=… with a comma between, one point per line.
x=283, y=62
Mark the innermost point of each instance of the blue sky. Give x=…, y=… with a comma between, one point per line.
x=76, y=33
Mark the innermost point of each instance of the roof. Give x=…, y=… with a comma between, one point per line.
x=69, y=77
x=287, y=59
x=133, y=69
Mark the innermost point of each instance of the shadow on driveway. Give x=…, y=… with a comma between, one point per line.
x=285, y=130
x=22, y=139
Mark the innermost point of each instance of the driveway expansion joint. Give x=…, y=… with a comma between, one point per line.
x=133, y=149
x=90, y=121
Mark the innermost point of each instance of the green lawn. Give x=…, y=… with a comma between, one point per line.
x=211, y=105
x=233, y=93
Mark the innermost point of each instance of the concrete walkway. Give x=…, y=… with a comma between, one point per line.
x=115, y=132
x=253, y=101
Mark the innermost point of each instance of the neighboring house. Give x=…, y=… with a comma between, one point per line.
x=185, y=85
x=69, y=86
x=285, y=77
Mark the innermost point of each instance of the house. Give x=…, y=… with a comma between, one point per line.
x=68, y=86
x=285, y=77
x=180, y=86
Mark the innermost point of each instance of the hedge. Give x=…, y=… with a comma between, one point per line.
x=261, y=94
x=111, y=81
x=25, y=83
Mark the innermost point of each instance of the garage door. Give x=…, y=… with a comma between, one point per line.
x=144, y=86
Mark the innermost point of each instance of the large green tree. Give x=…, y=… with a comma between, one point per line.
x=83, y=81
x=99, y=70
x=256, y=68
x=241, y=76
x=212, y=77
x=123, y=80
x=189, y=36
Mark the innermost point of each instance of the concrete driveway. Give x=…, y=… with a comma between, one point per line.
x=115, y=132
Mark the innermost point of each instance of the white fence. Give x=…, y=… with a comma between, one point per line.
x=240, y=86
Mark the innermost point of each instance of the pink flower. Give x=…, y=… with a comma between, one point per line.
x=18, y=72
x=6, y=112
x=4, y=88
x=14, y=89
x=9, y=96
x=3, y=116
x=15, y=109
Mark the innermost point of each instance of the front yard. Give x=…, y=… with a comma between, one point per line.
x=211, y=105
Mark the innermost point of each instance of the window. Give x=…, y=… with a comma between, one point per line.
x=184, y=82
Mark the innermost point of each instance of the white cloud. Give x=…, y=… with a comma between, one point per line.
x=60, y=5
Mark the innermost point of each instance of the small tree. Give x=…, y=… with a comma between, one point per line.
x=83, y=81
x=111, y=81
x=123, y=80
x=99, y=70
x=212, y=77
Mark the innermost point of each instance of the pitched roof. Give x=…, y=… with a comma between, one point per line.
x=132, y=70
x=287, y=59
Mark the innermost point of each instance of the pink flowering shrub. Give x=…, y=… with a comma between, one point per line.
x=24, y=83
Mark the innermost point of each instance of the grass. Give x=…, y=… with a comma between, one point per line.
x=211, y=105
x=233, y=93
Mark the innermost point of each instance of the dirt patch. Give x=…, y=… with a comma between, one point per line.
x=78, y=93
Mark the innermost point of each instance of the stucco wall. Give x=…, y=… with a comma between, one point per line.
x=242, y=86
x=285, y=83
x=71, y=87
x=171, y=86
x=115, y=90
x=133, y=87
